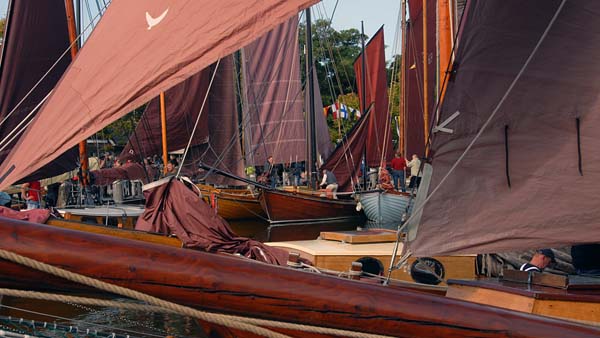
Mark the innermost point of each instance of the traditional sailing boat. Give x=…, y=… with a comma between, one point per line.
x=311, y=210
x=231, y=284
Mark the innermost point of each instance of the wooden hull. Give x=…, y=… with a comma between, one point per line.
x=233, y=204
x=384, y=209
x=288, y=207
x=234, y=285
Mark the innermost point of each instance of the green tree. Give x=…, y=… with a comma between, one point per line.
x=2, y=25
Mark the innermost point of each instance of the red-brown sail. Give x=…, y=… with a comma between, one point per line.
x=414, y=92
x=138, y=49
x=183, y=104
x=378, y=138
x=531, y=179
x=373, y=129
x=273, y=120
x=36, y=36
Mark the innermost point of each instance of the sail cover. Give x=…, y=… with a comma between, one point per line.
x=36, y=37
x=523, y=185
x=273, y=120
x=378, y=138
x=138, y=49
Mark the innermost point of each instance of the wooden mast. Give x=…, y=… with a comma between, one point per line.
x=70, y=11
x=402, y=113
x=425, y=82
x=312, y=159
x=163, y=125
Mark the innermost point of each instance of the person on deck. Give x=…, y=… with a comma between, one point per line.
x=32, y=193
x=270, y=172
x=329, y=182
x=415, y=166
x=540, y=260
x=398, y=168
x=171, y=167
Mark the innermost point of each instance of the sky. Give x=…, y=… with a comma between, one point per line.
x=348, y=14
x=374, y=13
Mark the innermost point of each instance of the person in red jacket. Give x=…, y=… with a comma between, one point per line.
x=32, y=193
x=398, y=167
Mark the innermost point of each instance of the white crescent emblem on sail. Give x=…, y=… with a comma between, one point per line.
x=155, y=21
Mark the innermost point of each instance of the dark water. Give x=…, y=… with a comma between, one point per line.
x=57, y=319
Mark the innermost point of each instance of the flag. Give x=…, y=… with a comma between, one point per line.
x=334, y=110
x=343, y=111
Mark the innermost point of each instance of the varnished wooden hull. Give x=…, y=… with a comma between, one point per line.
x=233, y=285
x=233, y=204
x=288, y=207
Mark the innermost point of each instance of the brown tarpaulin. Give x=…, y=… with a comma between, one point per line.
x=138, y=49
x=172, y=208
x=549, y=202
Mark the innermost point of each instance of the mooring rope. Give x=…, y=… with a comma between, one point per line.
x=236, y=322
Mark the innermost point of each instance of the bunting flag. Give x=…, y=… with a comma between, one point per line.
x=342, y=111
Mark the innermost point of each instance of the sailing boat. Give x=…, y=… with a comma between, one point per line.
x=227, y=283
x=315, y=213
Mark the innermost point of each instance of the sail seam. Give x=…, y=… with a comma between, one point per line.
x=579, y=161
x=506, y=155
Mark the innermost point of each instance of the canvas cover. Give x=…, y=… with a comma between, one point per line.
x=173, y=208
x=273, y=106
x=532, y=141
x=36, y=36
x=138, y=49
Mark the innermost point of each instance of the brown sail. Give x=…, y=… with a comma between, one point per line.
x=530, y=180
x=372, y=132
x=183, y=103
x=138, y=49
x=378, y=138
x=273, y=119
x=36, y=36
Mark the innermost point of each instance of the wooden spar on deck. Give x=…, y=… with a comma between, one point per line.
x=163, y=124
x=70, y=11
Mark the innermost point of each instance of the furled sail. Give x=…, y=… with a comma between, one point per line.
x=379, y=138
x=138, y=49
x=36, y=36
x=531, y=179
x=273, y=119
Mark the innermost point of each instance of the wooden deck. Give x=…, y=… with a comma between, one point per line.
x=348, y=246
x=577, y=305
